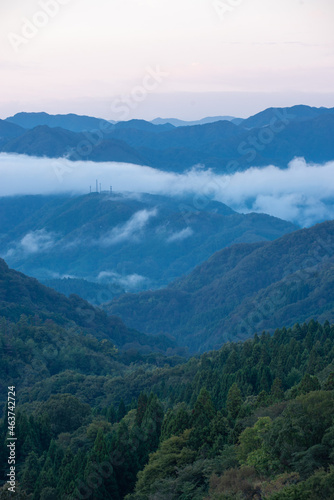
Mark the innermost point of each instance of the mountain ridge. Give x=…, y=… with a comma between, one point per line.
x=70, y=121
x=211, y=305
x=147, y=239
x=274, y=136
x=183, y=123
x=22, y=295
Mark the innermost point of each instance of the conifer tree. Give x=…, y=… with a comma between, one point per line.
x=329, y=384
x=234, y=401
x=204, y=411
x=121, y=411
x=111, y=414
x=141, y=408
x=276, y=390
x=31, y=472
x=308, y=384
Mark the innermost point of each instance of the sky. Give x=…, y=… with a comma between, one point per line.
x=302, y=193
x=123, y=59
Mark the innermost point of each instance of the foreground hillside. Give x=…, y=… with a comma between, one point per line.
x=241, y=290
x=96, y=422
x=239, y=423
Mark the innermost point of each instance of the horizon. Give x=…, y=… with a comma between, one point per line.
x=209, y=57
x=203, y=117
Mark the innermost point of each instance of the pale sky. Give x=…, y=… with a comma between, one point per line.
x=211, y=57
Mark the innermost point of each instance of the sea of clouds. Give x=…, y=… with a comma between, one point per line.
x=302, y=193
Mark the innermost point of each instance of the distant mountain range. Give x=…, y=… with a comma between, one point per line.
x=274, y=136
x=182, y=123
x=9, y=131
x=241, y=290
x=294, y=113
x=72, y=122
x=79, y=123
x=132, y=242
x=57, y=142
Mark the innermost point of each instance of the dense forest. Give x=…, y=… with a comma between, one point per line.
x=106, y=412
x=238, y=423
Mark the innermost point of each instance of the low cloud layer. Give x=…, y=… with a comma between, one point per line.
x=130, y=282
x=33, y=242
x=180, y=235
x=302, y=193
x=131, y=230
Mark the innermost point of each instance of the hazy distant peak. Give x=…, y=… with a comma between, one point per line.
x=184, y=123
x=71, y=121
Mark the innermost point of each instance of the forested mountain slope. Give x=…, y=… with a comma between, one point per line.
x=21, y=295
x=235, y=423
x=240, y=290
x=138, y=241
